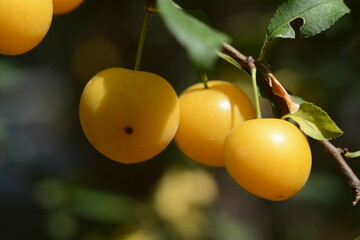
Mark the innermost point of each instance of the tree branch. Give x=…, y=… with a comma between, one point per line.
x=285, y=104
x=336, y=154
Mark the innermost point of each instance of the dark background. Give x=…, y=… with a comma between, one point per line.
x=55, y=185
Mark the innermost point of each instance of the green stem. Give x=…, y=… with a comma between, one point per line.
x=263, y=49
x=204, y=79
x=256, y=93
x=142, y=39
x=262, y=53
x=352, y=154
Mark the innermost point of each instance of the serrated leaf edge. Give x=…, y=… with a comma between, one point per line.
x=292, y=115
x=270, y=38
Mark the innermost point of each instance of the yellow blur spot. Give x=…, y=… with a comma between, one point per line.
x=140, y=234
x=94, y=55
x=180, y=198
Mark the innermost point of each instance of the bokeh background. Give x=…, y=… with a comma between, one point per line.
x=54, y=185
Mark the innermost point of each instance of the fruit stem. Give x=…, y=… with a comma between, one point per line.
x=144, y=28
x=204, y=79
x=256, y=93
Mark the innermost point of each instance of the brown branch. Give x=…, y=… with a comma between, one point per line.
x=285, y=103
x=247, y=63
x=337, y=155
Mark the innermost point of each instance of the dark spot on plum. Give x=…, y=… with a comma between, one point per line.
x=128, y=130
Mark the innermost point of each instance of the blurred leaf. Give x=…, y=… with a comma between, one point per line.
x=61, y=225
x=200, y=41
x=102, y=207
x=225, y=227
x=315, y=122
x=95, y=236
x=8, y=75
x=51, y=193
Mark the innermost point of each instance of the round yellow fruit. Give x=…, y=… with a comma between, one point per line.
x=129, y=116
x=65, y=6
x=269, y=158
x=23, y=24
x=206, y=117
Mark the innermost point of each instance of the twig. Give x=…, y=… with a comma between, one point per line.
x=247, y=63
x=348, y=154
x=336, y=154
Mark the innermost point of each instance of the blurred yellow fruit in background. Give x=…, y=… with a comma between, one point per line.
x=23, y=24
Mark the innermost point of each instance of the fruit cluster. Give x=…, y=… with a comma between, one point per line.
x=131, y=116
x=24, y=23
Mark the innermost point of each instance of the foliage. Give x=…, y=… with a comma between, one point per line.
x=200, y=40
x=315, y=122
x=55, y=186
x=317, y=16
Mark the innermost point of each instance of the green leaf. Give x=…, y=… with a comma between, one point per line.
x=315, y=122
x=317, y=16
x=230, y=60
x=200, y=41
